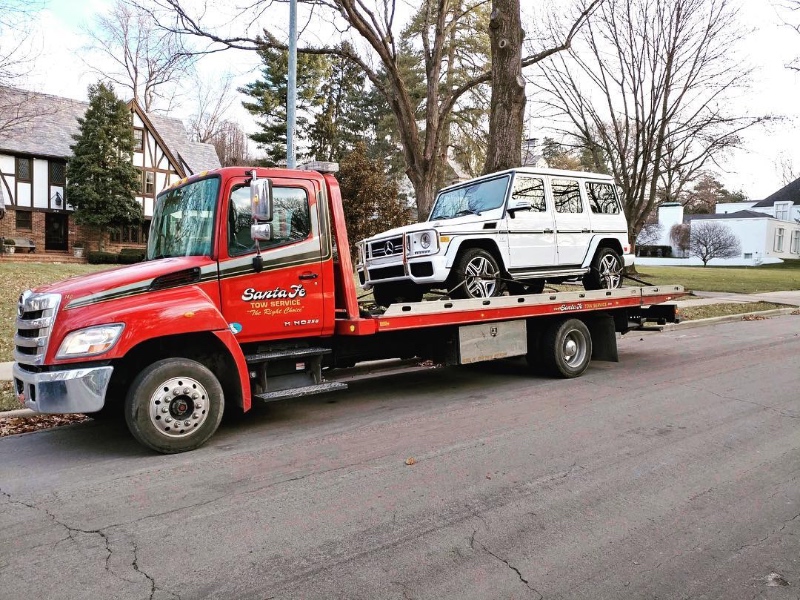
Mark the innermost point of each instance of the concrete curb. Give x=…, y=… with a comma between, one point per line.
x=775, y=312
x=22, y=413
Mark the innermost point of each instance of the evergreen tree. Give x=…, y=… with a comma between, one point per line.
x=101, y=180
x=370, y=197
x=269, y=96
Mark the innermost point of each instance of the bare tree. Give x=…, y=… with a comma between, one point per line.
x=709, y=239
x=787, y=172
x=230, y=142
x=679, y=235
x=211, y=105
x=149, y=61
x=649, y=82
x=790, y=11
x=650, y=235
x=15, y=51
x=375, y=49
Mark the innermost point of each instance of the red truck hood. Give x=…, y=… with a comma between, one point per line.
x=136, y=276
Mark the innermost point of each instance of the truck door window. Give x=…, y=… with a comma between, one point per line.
x=567, y=196
x=532, y=190
x=602, y=199
x=290, y=223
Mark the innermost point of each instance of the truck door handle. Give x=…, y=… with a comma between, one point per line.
x=309, y=276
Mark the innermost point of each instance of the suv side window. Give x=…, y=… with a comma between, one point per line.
x=290, y=222
x=602, y=198
x=532, y=190
x=567, y=196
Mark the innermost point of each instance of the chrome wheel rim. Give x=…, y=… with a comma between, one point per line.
x=574, y=348
x=481, y=277
x=179, y=407
x=610, y=271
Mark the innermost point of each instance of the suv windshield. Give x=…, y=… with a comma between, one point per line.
x=183, y=221
x=472, y=199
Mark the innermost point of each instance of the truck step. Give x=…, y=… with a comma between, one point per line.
x=285, y=354
x=309, y=390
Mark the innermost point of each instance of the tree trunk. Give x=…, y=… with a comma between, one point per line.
x=508, y=87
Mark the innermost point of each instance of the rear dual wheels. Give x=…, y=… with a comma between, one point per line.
x=174, y=405
x=564, y=349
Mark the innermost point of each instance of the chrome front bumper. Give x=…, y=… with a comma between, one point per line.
x=67, y=391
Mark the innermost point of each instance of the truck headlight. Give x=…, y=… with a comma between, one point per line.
x=90, y=341
x=421, y=243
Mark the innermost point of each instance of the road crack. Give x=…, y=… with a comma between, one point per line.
x=473, y=541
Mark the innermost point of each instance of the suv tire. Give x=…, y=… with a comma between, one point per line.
x=605, y=271
x=477, y=275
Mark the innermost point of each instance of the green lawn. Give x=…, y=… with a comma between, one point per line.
x=18, y=277
x=744, y=280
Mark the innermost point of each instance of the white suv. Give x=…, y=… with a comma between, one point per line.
x=511, y=230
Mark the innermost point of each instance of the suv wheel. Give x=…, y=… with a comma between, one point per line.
x=477, y=275
x=605, y=272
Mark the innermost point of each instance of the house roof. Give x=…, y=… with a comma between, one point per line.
x=38, y=124
x=788, y=193
x=44, y=126
x=742, y=214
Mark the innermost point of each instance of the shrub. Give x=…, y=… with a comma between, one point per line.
x=101, y=258
x=129, y=256
x=657, y=251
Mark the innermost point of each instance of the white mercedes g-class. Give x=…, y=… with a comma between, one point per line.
x=513, y=230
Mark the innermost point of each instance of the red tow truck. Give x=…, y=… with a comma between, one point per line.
x=247, y=294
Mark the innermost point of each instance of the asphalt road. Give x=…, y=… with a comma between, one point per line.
x=672, y=474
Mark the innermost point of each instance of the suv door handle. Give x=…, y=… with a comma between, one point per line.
x=548, y=231
x=584, y=231
x=308, y=276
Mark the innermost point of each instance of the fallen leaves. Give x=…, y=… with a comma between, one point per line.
x=754, y=318
x=411, y=460
x=17, y=425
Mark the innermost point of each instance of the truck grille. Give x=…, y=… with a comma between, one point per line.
x=391, y=247
x=35, y=316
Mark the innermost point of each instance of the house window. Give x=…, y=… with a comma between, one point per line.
x=24, y=220
x=149, y=182
x=782, y=211
x=567, y=196
x=748, y=255
x=58, y=173
x=130, y=234
x=778, y=240
x=795, y=248
x=138, y=140
x=23, y=169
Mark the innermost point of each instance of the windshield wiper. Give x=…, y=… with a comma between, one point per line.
x=466, y=211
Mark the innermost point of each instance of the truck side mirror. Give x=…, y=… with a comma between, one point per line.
x=261, y=232
x=261, y=199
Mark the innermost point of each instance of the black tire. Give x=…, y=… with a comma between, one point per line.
x=605, y=272
x=565, y=349
x=477, y=275
x=386, y=294
x=194, y=396
x=531, y=286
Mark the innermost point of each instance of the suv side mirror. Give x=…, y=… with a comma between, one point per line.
x=261, y=199
x=515, y=205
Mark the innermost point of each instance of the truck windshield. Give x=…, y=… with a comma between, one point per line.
x=183, y=220
x=472, y=199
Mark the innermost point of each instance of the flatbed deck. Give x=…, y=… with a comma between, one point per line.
x=436, y=313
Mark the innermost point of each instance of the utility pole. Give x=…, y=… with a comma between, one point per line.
x=291, y=97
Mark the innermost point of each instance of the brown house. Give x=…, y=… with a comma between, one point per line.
x=35, y=137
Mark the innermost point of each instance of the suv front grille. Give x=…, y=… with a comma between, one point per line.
x=390, y=247
x=35, y=316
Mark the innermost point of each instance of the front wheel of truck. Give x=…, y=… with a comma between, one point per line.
x=174, y=405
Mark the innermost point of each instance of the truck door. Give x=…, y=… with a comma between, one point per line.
x=285, y=299
x=531, y=233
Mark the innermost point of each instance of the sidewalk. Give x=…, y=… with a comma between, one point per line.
x=791, y=298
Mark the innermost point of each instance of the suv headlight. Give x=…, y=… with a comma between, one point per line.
x=422, y=243
x=90, y=341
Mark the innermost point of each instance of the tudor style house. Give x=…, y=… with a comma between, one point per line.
x=35, y=137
